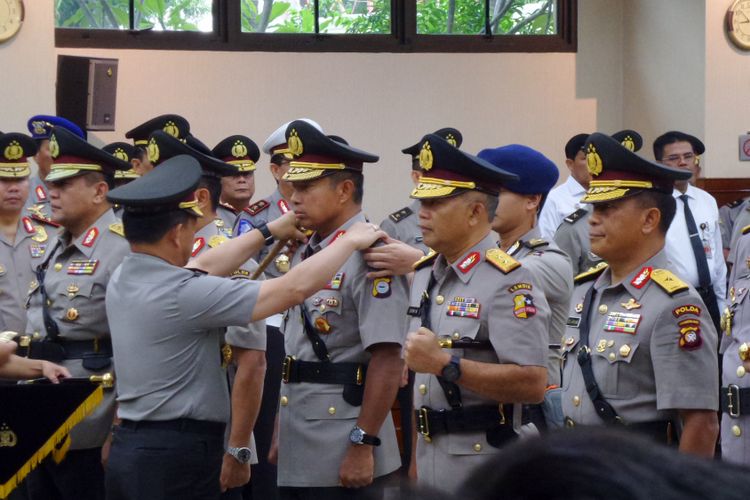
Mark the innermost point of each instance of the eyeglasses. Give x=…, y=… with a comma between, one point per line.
x=687, y=158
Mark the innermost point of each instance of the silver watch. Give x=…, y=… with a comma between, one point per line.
x=242, y=455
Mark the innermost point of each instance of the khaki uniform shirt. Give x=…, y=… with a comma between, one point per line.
x=473, y=298
x=228, y=216
x=652, y=353
x=257, y=214
x=38, y=201
x=741, y=219
x=551, y=269
x=403, y=225
x=76, y=280
x=314, y=419
x=573, y=238
x=18, y=261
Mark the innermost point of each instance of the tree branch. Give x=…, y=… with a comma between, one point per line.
x=530, y=19
x=109, y=14
x=501, y=8
x=87, y=12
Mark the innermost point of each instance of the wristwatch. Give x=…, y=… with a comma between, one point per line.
x=263, y=228
x=358, y=436
x=242, y=454
x=452, y=371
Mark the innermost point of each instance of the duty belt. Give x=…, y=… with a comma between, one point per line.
x=60, y=349
x=735, y=401
x=296, y=371
x=466, y=419
x=662, y=431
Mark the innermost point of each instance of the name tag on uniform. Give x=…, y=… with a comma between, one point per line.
x=622, y=322
x=83, y=266
x=463, y=307
x=573, y=322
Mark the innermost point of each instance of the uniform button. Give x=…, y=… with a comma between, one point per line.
x=579, y=307
x=736, y=430
x=570, y=341
x=576, y=401
x=58, y=266
x=603, y=309
x=439, y=299
x=422, y=389
x=744, y=352
x=322, y=307
x=36, y=335
x=612, y=356
x=284, y=401
x=331, y=410
x=49, y=302
x=740, y=371
x=71, y=314
x=456, y=336
x=477, y=447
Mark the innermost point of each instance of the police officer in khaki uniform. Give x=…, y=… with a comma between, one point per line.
x=67, y=322
x=245, y=345
x=515, y=222
x=640, y=347
x=572, y=236
x=40, y=127
x=481, y=351
x=343, y=344
x=172, y=389
x=237, y=190
x=174, y=125
x=25, y=238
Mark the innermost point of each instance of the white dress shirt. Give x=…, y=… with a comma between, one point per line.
x=561, y=202
x=678, y=247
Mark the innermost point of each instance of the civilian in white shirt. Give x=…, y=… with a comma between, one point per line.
x=564, y=199
x=680, y=150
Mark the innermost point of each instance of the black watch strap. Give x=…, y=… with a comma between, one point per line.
x=371, y=440
x=263, y=228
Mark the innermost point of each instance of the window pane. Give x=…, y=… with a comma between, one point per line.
x=467, y=17
x=278, y=16
x=355, y=16
x=159, y=15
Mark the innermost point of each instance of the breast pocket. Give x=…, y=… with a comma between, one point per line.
x=74, y=299
x=327, y=316
x=612, y=358
x=453, y=329
x=329, y=406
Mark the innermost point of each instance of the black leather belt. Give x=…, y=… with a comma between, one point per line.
x=466, y=419
x=734, y=401
x=662, y=431
x=60, y=349
x=178, y=424
x=295, y=371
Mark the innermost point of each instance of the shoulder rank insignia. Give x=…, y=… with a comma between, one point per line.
x=228, y=207
x=735, y=203
x=116, y=227
x=400, y=215
x=536, y=243
x=501, y=260
x=590, y=274
x=668, y=281
x=40, y=218
x=426, y=260
x=746, y=229
x=198, y=245
x=570, y=219
x=257, y=207
x=216, y=240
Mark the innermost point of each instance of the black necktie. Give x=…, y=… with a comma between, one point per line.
x=704, y=277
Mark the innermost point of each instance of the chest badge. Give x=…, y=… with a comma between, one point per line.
x=621, y=322
x=630, y=304
x=463, y=307
x=87, y=266
x=37, y=250
x=335, y=282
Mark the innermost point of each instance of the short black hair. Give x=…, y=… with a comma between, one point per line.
x=356, y=177
x=676, y=136
x=150, y=227
x=94, y=177
x=662, y=201
x=213, y=185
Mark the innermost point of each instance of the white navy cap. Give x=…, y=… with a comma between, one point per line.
x=278, y=138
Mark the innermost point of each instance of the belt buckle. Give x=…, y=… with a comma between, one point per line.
x=286, y=368
x=423, y=425
x=360, y=378
x=733, y=400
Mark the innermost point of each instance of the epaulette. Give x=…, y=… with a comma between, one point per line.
x=400, y=215
x=116, y=227
x=427, y=259
x=570, y=219
x=501, y=260
x=228, y=207
x=591, y=273
x=257, y=207
x=668, y=281
x=746, y=229
x=45, y=220
x=735, y=203
x=535, y=243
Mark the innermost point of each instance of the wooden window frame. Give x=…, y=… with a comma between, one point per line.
x=227, y=36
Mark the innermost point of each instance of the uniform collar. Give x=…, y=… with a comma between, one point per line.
x=690, y=192
x=467, y=265
x=516, y=247
x=574, y=186
x=318, y=245
x=90, y=238
x=637, y=281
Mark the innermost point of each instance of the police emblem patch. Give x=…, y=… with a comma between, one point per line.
x=523, y=306
x=381, y=288
x=690, y=334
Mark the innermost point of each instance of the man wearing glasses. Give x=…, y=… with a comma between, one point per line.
x=693, y=245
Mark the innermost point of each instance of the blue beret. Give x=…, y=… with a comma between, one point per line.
x=41, y=126
x=536, y=173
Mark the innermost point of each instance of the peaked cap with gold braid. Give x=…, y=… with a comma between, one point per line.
x=14, y=151
x=451, y=135
x=125, y=152
x=238, y=150
x=72, y=156
x=174, y=125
